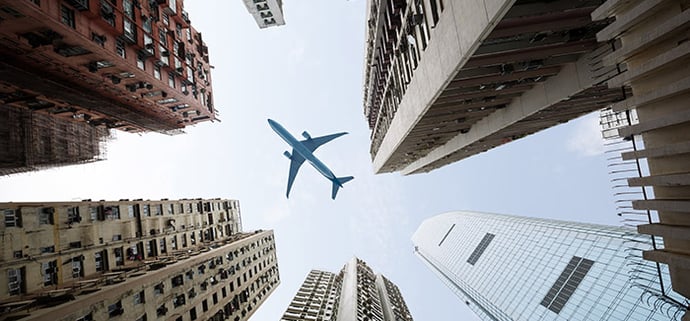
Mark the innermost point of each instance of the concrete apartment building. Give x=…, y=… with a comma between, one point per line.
x=355, y=293
x=520, y=268
x=445, y=80
x=132, y=260
x=137, y=66
x=266, y=13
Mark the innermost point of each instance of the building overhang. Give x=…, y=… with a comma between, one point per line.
x=514, y=68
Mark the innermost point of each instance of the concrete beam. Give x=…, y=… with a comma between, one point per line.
x=674, y=232
x=663, y=151
x=572, y=79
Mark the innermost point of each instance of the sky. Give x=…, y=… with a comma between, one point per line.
x=307, y=75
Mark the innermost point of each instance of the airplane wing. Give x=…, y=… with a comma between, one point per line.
x=313, y=143
x=296, y=160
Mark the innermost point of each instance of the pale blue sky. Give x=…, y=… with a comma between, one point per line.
x=307, y=75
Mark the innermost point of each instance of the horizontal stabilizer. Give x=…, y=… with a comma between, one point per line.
x=338, y=183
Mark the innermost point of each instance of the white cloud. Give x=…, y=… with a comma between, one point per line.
x=586, y=139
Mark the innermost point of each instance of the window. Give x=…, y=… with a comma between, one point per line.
x=112, y=212
x=171, y=80
x=192, y=314
x=204, y=305
x=158, y=210
x=15, y=279
x=566, y=284
x=215, y=298
x=12, y=218
x=50, y=272
x=162, y=245
x=158, y=289
x=139, y=298
x=147, y=210
x=120, y=47
x=171, y=209
x=142, y=318
x=94, y=212
x=77, y=267
x=157, y=72
x=479, y=250
x=130, y=211
x=45, y=215
x=100, y=263
x=107, y=12
x=48, y=249
x=445, y=236
x=115, y=309
x=67, y=16
x=178, y=300
x=17, y=254
x=119, y=257
x=161, y=311
x=177, y=281
x=140, y=62
x=73, y=215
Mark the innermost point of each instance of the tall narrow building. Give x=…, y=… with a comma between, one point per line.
x=132, y=260
x=355, y=293
x=518, y=268
x=135, y=66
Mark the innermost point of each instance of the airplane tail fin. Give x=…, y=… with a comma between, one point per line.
x=338, y=183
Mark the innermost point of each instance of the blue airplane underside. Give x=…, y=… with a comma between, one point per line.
x=304, y=150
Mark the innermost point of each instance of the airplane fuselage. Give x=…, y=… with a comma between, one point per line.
x=298, y=147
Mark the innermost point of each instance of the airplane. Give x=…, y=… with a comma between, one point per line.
x=304, y=150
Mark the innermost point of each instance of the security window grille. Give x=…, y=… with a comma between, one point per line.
x=73, y=215
x=49, y=270
x=15, y=281
x=77, y=267
x=479, y=250
x=45, y=216
x=67, y=16
x=447, y=233
x=566, y=284
x=108, y=12
x=12, y=218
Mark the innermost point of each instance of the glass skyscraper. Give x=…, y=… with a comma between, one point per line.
x=518, y=268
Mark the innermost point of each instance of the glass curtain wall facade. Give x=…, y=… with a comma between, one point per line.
x=517, y=268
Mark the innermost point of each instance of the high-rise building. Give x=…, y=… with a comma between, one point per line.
x=133, y=260
x=518, y=268
x=267, y=13
x=445, y=80
x=654, y=49
x=355, y=293
x=136, y=66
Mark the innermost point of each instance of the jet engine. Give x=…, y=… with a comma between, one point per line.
x=287, y=154
x=306, y=135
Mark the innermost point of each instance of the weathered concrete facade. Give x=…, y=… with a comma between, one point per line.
x=186, y=260
x=656, y=52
